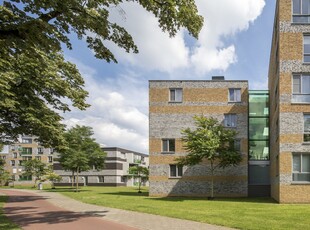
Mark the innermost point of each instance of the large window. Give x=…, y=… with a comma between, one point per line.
x=306, y=127
x=230, y=120
x=301, y=167
x=176, y=95
x=307, y=48
x=168, y=145
x=301, y=88
x=301, y=11
x=234, y=95
x=176, y=171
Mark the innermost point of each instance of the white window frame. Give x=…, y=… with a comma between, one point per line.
x=304, y=53
x=300, y=96
x=176, y=98
x=228, y=120
x=236, y=96
x=299, y=14
x=99, y=179
x=178, y=174
x=304, y=131
x=301, y=167
x=168, y=145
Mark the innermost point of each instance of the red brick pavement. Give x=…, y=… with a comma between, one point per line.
x=33, y=212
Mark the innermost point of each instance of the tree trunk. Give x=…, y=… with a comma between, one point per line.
x=212, y=180
x=77, y=179
x=72, y=182
x=139, y=176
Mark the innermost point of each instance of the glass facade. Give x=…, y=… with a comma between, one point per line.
x=258, y=125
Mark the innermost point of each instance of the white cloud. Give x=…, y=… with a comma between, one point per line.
x=223, y=19
x=118, y=112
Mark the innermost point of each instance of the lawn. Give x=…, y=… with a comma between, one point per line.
x=243, y=213
x=5, y=222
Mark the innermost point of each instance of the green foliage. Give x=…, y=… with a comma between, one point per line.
x=139, y=172
x=82, y=152
x=210, y=141
x=5, y=177
x=53, y=177
x=35, y=80
x=35, y=168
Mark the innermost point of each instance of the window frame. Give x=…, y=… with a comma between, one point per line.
x=300, y=14
x=304, y=133
x=230, y=115
x=301, y=168
x=99, y=179
x=235, y=97
x=179, y=173
x=300, y=90
x=168, y=145
x=175, y=93
x=50, y=159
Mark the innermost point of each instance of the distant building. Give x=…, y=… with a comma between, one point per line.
x=117, y=163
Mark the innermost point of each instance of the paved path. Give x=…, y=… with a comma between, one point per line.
x=71, y=210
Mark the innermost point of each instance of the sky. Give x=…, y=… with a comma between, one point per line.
x=234, y=42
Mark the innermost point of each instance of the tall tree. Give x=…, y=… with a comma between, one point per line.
x=35, y=80
x=35, y=168
x=210, y=141
x=139, y=172
x=82, y=152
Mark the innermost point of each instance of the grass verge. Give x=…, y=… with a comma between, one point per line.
x=242, y=213
x=6, y=223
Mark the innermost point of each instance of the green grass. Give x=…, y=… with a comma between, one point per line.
x=243, y=213
x=6, y=223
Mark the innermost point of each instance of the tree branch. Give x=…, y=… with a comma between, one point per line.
x=50, y=15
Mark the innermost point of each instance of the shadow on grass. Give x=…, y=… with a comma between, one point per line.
x=260, y=200
x=67, y=190
x=133, y=193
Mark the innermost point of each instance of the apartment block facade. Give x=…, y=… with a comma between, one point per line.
x=115, y=173
x=24, y=149
x=172, y=106
x=289, y=86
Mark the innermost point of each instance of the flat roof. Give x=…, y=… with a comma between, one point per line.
x=123, y=150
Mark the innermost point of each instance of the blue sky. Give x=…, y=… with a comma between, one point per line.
x=235, y=42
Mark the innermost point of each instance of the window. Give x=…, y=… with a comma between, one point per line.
x=301, y=167
x=123, y=179
x=307, y=48
x=301, y=88
x=12, y=162
x=40, y=150
x=27, y=140
x=176, y=171
x=100, y=179
x=26, y=151
x=175, y=95
x=15, y=155
x=50, y=159
x=230, y=120
x=301, y=11
x=168, y=145
x=306, y=127
x=38, y=158
x=52, y=150
x=20, y=163
x=234, y=95
x=3, y=157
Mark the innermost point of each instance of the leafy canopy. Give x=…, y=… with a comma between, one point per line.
x=82, y=152
x=209, y=141
x=35, y=168
x=36, y=83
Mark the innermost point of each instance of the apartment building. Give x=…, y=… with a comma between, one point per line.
x=25, y=148
x=171, y=108
x=289, y=86
x=115, y=173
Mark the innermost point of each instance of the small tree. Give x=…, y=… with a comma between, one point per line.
x=53, y=177
x=4, y=177
x=35, y=168
x=210, y=141
x=82, y=152
x=139, y=172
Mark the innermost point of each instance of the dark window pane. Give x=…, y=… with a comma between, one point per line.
x=259, y=174
x=307, y=58
x=296, y=84
x=305, y=163
x=165, y=145
x=171, y=145
x=172, y=95
x=180, y=170
x=296, y=163
x=305, y=6
x=173, y=170
x=301, y=177
x=259, y=150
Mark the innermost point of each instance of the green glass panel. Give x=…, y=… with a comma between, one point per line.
x=258, y=150
x=258, y=105
x=259, y=128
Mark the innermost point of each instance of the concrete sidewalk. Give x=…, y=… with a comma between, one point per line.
x=129, y=218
